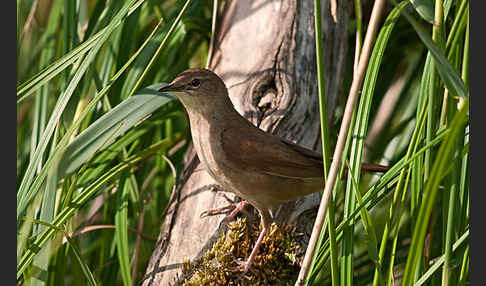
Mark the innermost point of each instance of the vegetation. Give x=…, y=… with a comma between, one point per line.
x=275, y=265
x=99, y=150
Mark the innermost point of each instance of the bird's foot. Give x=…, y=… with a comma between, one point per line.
x=222, y=210
x=242, y=266
x=234, y=207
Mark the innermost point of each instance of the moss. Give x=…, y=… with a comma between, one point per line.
x=274, y=264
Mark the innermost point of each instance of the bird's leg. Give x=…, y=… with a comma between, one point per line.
x=266, y=220
x=234, y=207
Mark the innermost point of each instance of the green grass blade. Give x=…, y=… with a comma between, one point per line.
x=126, y=114
x=465, y=62
x=464, y=268
x=121, y=231
x=431, y=189
x=41, y=101
x=450, y=223
x=458, y=24
x=46, y=212
x=26, y=198
x=374, y=195
x=54, y=228
x=97, y=16
x=156, y=54
x=446, y=71
x=325, y=144
x=438, y=263
x=41, y=262
x=359, y=133
x=63, y=101
x=87, y=194
x=464, y=179
x=395, y=211
x=70, y=21
x=30, y=86
x=149, y=186
x=70, y=190
x=425, y=8
x=84, y=267
x=367, y=224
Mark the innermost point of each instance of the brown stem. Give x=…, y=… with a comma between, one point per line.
x=138, y=243
x=213, y=29
x=334, y=10
x=351, y=102
x=106, y=226
x=30, y=18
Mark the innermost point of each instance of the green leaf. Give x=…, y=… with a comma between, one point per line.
x=63, y=101
x=438, y=172
x=122, y=117
x=88, y=193
x=121, y=231
x=446, y=71
x=425, y=8
x=84, y=267
x=438, y=262
x=30, y=86
x=27, y=189
x=46, y=214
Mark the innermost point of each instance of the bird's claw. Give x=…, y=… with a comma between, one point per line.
x=218, y=211
x=235, y=208
x=242, y=266
x=204, y=214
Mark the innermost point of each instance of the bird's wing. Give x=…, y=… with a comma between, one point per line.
x=266, y=153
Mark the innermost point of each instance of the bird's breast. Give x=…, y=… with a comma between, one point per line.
x=207, y=143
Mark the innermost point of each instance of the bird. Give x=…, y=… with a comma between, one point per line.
x=264, y=170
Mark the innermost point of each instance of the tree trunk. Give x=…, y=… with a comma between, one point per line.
x=265, y=53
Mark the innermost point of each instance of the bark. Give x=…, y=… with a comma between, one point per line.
x=265, y=53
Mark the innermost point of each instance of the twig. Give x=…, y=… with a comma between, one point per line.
x=176, y=147
x=138, y=243
x=23, y=111
x=351, y=102
x=105, y=226
x=359, y=40
x=172, y=168
x=334, y=10
x=174, y=174
x=213, y=29
x=149, y=178
x=30, y=18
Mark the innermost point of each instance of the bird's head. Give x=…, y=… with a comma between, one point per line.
x=198, y=88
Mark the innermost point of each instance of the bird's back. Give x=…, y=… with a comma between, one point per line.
x=266, y=168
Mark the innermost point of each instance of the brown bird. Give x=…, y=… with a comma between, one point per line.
x=259, y=167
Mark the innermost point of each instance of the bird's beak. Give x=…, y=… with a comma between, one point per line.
x=170, y=87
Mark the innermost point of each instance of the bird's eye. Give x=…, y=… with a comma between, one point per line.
x=195, y=82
